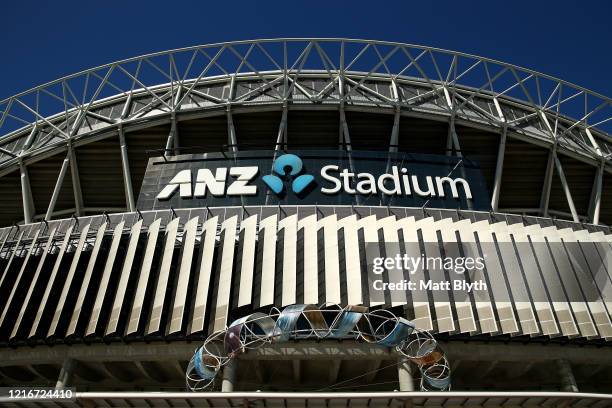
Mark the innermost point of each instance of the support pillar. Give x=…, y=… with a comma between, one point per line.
x=231, y=131
x=449, y=136
x=76, y=181
x=596, y=196
x=172, y=143
x=58, y=187
x=26, y=194
x=566, y=190
x=345, y=138
x=281, y=138
x=66, y=373
x=229, y=376
x=568, y=381
x=405, y=377
x=127, y=178
x=393, y=148
x=550, y=169
x=499, y=167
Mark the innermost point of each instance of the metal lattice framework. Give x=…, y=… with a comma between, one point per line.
x=172, y=85
x=301, y=321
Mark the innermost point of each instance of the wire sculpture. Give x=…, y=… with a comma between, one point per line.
x=329, y=321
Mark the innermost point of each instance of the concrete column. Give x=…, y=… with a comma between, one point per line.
x=65, y=377
x=404, y=373
x=229, y=376
x=406, y=379
x=568, y=381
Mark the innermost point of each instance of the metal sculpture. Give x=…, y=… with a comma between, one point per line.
x=302, y=321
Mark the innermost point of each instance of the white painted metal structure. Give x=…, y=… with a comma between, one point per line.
x=401, y=79
x=561, y=274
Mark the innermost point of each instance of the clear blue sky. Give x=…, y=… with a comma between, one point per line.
x=44, y=40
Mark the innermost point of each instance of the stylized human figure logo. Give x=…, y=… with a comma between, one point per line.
x=288, y=166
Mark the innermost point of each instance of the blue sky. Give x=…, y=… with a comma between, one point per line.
x=44, y=40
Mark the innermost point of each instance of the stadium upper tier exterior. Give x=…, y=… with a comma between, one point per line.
x=246, y=193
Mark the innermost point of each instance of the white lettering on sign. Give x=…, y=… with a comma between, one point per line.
x=398, y=182
x=214, y=184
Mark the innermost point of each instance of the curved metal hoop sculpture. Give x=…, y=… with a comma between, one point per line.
x=321, y=322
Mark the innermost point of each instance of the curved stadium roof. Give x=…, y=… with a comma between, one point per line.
x=259, y=75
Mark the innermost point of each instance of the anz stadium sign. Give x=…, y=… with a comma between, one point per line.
x=312, y=177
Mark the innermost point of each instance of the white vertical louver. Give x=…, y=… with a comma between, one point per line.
x=126, y=271
x=207, y=252
x=177, y=312
x=228, y=244
x=289, y=290
x=137, y=314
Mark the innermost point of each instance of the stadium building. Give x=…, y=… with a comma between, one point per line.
x=248, y=217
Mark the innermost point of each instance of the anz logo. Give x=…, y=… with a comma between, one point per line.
x=215, y=183
x=286, y=166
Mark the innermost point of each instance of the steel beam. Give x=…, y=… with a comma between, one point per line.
x=306, y=350
x=345, y=138
x=456, y=144
x=550, y=166
x=499, y=168
x=57, y=188
x=127, y=177
x=231, y=130
x=76, y=181
x=281, y=137
x=393, y=144
x=30, y=139
x=548, y=176
x=26, y=194
x=449, y=136
x=595, y=204
x=172, y=141
x=175, y=133
x=566, y=190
